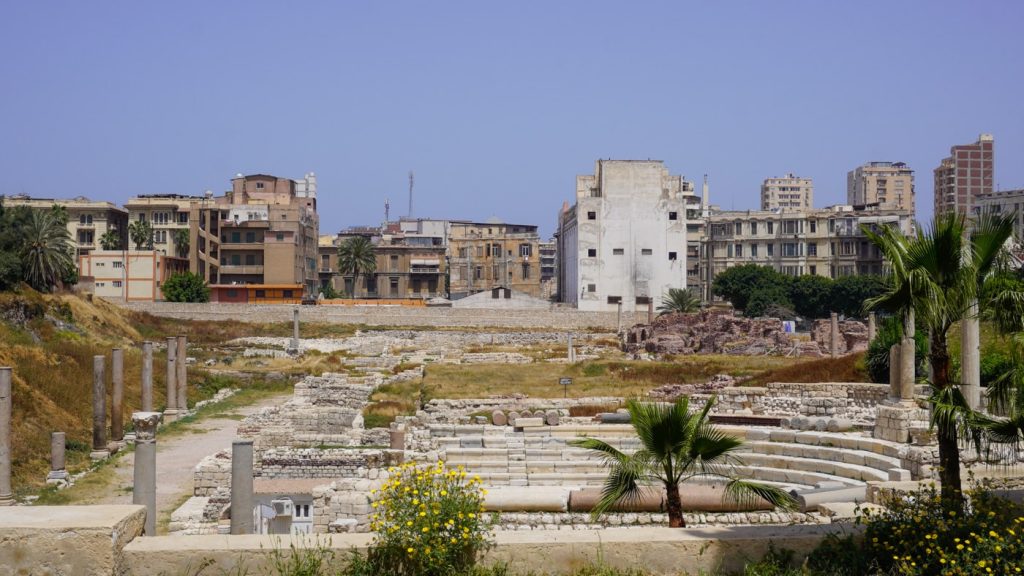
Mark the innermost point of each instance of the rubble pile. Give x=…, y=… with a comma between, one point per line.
x=710, y=332
x=854, y=335
x=670, y=392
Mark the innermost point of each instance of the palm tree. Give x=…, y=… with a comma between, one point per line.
x=46, y=251
x=110, y=240
x=141, y=233
x=356, y=257
x=937, y=277
x=678, y=300
x=1006, y=395
x=676, y=446
x=181, y=242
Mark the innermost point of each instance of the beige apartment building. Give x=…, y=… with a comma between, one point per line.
x=88, y=220
x=825, y=242
x=888, y=185
x=789, y=191
x=168, y=214
x=263, y=232
x=408, y=266
x=128, y=275
x=1003, y=202
x=486, y=255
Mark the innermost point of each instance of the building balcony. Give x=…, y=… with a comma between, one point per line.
x=241, y=269
x=245, y=224
x=241, y=246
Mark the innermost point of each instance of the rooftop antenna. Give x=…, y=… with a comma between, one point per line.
x=411, y=181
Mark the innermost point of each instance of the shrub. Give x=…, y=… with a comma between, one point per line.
x=916, y=534
x=877, y=358
x=186, y=287
x=428, y=521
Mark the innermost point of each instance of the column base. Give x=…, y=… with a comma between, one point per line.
x=7, y=500
x=97, y=455
x=170, y=415
x=129, y=438
x=60, y=477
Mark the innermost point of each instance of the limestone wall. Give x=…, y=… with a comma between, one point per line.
x=392, y=315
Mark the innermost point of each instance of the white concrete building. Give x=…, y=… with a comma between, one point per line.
x=624, y=241
x=789, y=191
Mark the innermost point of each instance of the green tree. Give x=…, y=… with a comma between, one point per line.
x=110, y=240
x=811, y=295
x=740, y=284
x=678, y=300
x=181, y=242
x=676, y=446
x=356, y=258
x=768, y=300
x=46, y=251
x=890, y=331
x=141, y=233
x=60, y=214
x=186, y=287
x=850, y=292
x=938, y=275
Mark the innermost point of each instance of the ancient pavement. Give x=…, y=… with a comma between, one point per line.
x=177, y=456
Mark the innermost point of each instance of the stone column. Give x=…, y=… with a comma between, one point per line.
x=182, y=376
x=872, y=328
x=295, y=329
x=907, y=376
x=117, y=395
x=147, y=376
x=171, y=412
x=894, y=372
x=58, y=469
x=144, y=480
x=834, y=335
x=970, y=357
x=6, y=498
x=241, y=487
x=571, y=351
x=99, y=409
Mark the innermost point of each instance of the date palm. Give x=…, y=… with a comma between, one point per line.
x=110, y=240
x=141, y=233
x=938, y=276
x=678, y=300
x=46, y=251
x=356, y=257
x=676, y=446
x=181, y=242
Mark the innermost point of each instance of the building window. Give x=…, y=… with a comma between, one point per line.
x=479, y=272
x=591, y=287
x=182, y=217
x=525, y=250
x=812, y=249
x=753, y=228
x=672, y=256
x=592, y=252
x=394, y=286
x=479, y=251
x=280, y=237
x=643, y=299
x=646, y=251
x=526, y=271
x=161, y=217
x=591, y=215
x=771, y=227
x=814, y=226
x=673, y=215
x=287, y=294
x=117, y=283
x=117, y=264
x=770, y=249
x=615, y=299
x=250, y=259
x=250, y=237
x=618, y=251
x=259, y=185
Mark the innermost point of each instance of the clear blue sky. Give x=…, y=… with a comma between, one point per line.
x=497, y=106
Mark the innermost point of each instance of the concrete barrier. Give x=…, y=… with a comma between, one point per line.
x=657, y=550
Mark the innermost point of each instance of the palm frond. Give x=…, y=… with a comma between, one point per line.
x=622, y=485
x=746, y=492
x=610, y=454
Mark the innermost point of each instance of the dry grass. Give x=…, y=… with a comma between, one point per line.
x=600, y=378
x=843, y=369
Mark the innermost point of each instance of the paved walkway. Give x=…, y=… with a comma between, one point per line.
x=177, y=456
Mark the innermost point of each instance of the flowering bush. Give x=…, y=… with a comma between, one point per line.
x=916, y=535
x=428, y=521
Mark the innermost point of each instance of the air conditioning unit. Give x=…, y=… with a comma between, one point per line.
x=283, y=507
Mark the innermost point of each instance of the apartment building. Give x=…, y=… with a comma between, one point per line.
x=548, y=269
x=168, y=214
x=265, y=231
x=409, y=266
x=1003, y=202
x=964, y=175
x=623, y=242
x=128, y=275
x=889, y=185
x=486, y=255
x=789, y=191
x=825, y=242
x=88, y=220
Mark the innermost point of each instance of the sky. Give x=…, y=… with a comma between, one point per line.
x=497, y=106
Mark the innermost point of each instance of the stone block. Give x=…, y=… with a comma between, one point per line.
x=529, y=422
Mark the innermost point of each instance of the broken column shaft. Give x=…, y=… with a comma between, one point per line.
x=117, y=395
x=147, y=376
x=171, y=412
x=6, y=498
x=144, y=474
x=241, y=487
x=99, y=409
x=181, y=379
